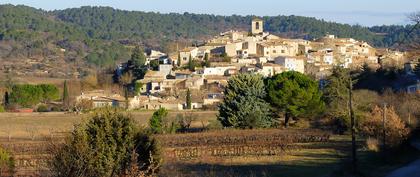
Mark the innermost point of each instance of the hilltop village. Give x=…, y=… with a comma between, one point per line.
x=200, y=73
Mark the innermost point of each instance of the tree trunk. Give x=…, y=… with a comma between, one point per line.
x=286, y=120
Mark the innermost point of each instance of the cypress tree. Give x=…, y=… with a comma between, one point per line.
x=179, y=59
x=66, y=99
x=206, y=60
x=190, y=64
x=188, y=99
x=6, y=99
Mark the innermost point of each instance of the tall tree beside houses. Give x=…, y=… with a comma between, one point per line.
x=179, y=59
x=243, y=105
x=335, y=95
x=191, y=66
x=126, y=81
x=188, y=99
x=66, y=100
x=294, y=94
x=6, y=99
x=137, y=57
x=206, y=60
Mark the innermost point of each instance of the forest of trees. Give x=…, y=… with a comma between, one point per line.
x=90, y=33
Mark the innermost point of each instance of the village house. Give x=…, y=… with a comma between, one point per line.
x=233, y=49
x=292, y=63
x=154, y=103
x=219, y=80
x=249, y=69
x=270, y=69
x=165, y=69
x=186, y=53
x=213, y=98
x=273, y=49
x=152, y=82
x=183, y=74
x=246, y=61
x=320, y=57
x=154, y=55
x=203, y=50
x=100, y=98
x=217, y=71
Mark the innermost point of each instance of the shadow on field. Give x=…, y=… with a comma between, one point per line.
x=298, y=169
x=313, y=159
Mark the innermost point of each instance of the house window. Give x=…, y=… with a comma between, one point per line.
x=274, y=51
x=185, y=58
x=282, y=51
x=257, y=25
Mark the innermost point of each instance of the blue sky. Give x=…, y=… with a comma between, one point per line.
x=364, y=12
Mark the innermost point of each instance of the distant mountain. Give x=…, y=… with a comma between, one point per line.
x=98, y=35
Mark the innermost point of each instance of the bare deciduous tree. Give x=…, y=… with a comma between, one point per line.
x=414, y=45
x=414, y=17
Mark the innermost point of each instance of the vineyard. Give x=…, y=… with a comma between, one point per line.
x=31, y=157
x=228, y=143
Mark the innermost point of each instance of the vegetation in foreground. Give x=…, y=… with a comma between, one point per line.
x=109, y=144
x=6, y=163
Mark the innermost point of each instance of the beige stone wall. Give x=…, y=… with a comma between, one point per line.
x=257, y=26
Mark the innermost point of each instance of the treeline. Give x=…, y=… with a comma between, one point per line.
x=88, y=33
x=27, y=95
x=252, y=102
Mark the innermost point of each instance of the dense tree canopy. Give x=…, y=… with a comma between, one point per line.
x=27, y=95
x=98, y=35
x=294, y=94
x=244, y=105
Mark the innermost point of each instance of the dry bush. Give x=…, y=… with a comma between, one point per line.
x=6, y=163
x=83, y=105
x=395, y=130
x=145, y=171
x=89, y=82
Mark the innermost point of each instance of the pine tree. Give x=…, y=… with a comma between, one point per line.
x=138, y=58
x=188, y=99
x=294, y=94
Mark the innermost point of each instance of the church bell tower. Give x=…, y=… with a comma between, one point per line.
x=257, y=26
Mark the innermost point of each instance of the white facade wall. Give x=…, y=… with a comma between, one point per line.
x=218, y=71
x=291, y=64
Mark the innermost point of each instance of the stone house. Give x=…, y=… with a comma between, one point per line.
x=186, y=53
x=152, y=82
